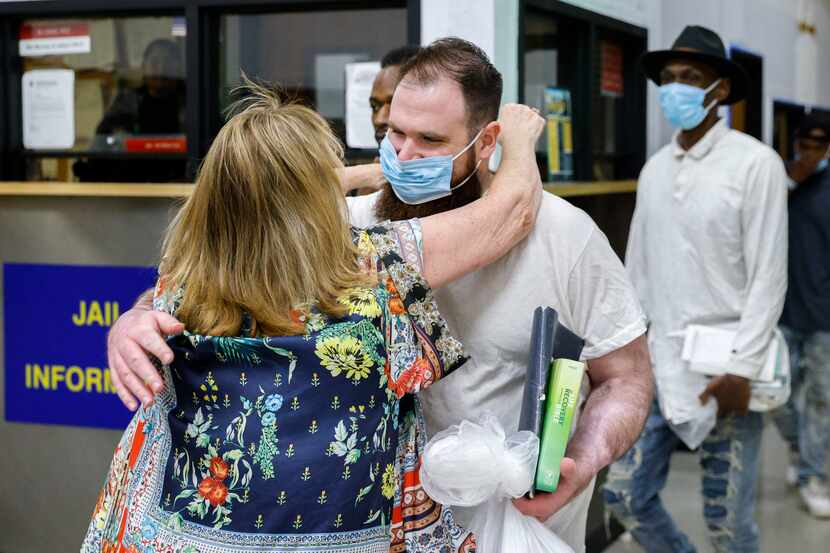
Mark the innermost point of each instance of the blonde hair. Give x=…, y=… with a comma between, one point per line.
x=265, y=230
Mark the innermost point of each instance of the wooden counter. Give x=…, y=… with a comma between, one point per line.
x=597, y=188
x=113, y=190
x=131, y=190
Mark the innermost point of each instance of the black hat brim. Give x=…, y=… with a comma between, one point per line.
x=654, y=62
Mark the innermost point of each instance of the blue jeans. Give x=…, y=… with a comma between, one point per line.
x=729, y=458
x=804, y=422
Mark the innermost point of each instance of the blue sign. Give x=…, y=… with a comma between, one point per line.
x=56, y=322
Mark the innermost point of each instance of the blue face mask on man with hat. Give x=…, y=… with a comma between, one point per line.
x=684, y=105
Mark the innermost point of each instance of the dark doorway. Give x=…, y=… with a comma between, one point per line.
x=786, y=117
x=748, y=115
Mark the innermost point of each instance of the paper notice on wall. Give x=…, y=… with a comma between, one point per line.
x=50, y=39
x=359, y=78
x=179, y=28
x=48, y=109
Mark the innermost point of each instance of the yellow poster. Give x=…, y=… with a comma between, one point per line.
x=554, y=165
x=560, y=150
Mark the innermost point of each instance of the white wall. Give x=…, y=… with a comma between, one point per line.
x=493, y=25
x=636, y=12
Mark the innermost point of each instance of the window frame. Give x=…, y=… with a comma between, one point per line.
x=202, y=17
x=754, y=102
x=792, y=112
x=633, y=129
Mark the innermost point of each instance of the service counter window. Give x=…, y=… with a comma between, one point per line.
x=580, y=69
x=103, y=99
x=318, y=57
x=618, y=91
x=551, y=84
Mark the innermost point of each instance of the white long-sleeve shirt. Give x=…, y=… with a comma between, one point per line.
x=708, y=245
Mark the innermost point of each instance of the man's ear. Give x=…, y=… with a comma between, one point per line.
x=723, y=90
x=487, y=142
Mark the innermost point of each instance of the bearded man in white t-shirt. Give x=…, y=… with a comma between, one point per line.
x=446, y=104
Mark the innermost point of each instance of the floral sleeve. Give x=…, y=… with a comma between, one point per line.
x=166, y=299
x=420, y=349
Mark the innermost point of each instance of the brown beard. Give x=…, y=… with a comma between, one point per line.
x=389, y=207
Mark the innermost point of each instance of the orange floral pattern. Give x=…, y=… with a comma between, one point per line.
x=213, y=490
x=218, y=468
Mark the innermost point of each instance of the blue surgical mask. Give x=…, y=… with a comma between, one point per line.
x=683, y=104
x=820, y=166
x=418, y=181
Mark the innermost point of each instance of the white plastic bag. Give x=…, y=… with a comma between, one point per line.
x=474, y=464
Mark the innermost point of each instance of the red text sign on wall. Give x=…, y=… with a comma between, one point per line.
x=54, y=38
x=173, y=144
x=611, y=67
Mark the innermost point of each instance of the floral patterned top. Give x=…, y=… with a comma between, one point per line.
x=292, y=443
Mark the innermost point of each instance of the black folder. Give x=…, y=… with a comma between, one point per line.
x=549, y=340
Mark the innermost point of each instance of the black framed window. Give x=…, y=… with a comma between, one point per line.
x=192, y=50
x=580, y=69
x=306, y=53
x=619, y=95
x=552, y=83
x=100, y=95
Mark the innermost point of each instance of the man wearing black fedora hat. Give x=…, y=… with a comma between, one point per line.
x=806, y=319
x=707, y=247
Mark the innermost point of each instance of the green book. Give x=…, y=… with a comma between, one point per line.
x=564, y=383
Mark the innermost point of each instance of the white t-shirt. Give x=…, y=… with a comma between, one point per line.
x=565, y=263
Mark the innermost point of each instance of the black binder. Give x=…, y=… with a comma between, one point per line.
x=549, y=340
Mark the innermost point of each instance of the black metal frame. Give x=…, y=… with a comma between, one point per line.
x=202, y=117
x=633, y=131
x=9, y=125
x=793, y=112
x=753, y=64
